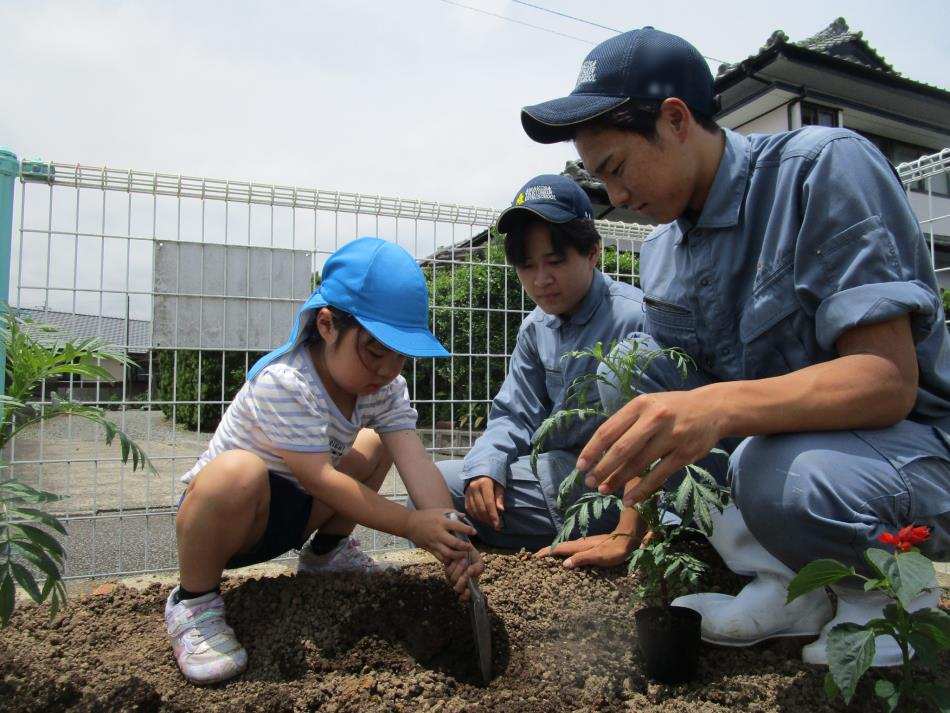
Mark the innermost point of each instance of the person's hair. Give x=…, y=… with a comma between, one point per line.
x=639, y=118
x=343, y=322
x=579, y=234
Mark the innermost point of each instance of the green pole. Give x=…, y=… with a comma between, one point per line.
x=9, y=170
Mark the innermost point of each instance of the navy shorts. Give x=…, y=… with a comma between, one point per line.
x=286, y=521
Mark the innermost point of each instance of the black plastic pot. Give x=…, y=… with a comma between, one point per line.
x=669, y=639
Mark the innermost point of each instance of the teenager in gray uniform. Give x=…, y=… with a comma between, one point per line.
x=793, y=270
x=553, y=244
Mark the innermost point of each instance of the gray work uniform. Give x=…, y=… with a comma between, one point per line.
x=536, y=387
x=804, y=236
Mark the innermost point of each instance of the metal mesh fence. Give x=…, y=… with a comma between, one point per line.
x=195, y=278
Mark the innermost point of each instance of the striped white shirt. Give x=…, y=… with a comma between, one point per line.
x=287, y=407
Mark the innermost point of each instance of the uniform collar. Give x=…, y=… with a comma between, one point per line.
x=585, y=310
x=724, y=202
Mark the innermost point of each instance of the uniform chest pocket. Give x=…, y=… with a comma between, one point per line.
x=771, y=347
x=671, y=325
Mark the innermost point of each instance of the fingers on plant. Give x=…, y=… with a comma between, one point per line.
x=900, y=576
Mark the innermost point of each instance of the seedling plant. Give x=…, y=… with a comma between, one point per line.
x=665, y=570
x=28, y=550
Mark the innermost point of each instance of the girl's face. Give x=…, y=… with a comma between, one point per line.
x=353, y=361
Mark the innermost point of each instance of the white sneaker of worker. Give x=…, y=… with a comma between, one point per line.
x=859, y=607
x=345, y=557
x=759, y=611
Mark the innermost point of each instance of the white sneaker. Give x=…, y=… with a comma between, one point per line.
x=205, y=646
x=345, y=557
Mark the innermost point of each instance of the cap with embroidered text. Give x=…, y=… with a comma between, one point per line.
x=556, y=199
x=644, y=65
x=381, y=285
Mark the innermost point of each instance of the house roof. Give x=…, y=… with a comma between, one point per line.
x=837, y=43
x=134, y=334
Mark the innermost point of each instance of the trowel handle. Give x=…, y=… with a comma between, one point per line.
x=457, y=518
x=472, y=586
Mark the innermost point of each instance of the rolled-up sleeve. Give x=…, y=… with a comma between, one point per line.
x=859, y=247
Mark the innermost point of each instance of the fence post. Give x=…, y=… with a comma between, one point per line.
x=9, y=169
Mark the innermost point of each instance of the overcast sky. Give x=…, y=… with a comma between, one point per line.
x=407, y=98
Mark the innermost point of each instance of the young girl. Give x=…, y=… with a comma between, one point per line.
x=304, y=448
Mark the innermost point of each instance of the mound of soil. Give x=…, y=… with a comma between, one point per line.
x=399, y=641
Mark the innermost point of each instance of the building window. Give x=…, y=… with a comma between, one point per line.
x=898, y=152
x=818, y=115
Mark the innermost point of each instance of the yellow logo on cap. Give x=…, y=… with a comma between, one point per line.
x=520, y=199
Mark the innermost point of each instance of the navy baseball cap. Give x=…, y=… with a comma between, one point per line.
x=643, y=65
x=556, y=199
x=381, y=285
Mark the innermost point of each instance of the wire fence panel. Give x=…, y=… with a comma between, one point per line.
x=195, y=278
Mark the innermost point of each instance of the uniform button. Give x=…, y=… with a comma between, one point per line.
x=704, y=282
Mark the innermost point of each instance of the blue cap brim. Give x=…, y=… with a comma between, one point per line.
x=411, y=342
x=510, y=217
x=554, y=121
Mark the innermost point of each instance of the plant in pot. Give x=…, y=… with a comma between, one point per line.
x=669, y=636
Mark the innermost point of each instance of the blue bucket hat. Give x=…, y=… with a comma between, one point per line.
x=381, y=285
x=556, y=199
x=643, y=65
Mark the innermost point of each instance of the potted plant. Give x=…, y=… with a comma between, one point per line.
x=27, y=549
x=669, y=636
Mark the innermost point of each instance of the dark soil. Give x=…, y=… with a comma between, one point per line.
x=563, y=641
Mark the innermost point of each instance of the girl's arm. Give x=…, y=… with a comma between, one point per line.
x=425, y=483
x=427, y=489
x=353, y=500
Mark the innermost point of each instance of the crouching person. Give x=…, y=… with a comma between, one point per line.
x=303, y=450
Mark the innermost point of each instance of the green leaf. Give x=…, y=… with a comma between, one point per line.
x=25, y=579
x=49, y=565
x=934, y=623
x=583, y=519
x=887, y=693
x=41, y=516
x=850, y=652
x=39, y=537
x=7, y=597
x=909, y=573
x=926, y=649
x=817, y=574
x=831, y=688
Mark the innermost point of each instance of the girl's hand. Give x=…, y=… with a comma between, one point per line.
x=431, y=530
x=459, y=571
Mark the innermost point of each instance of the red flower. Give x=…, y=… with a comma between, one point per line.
x=906, y=538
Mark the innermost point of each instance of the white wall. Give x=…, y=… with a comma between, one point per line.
x=772, y=123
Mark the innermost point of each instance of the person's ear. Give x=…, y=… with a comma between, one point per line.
x=594, y=256
x=324, y=325
x=676, y=115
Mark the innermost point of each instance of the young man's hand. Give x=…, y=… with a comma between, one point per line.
x=459, y=571
x=485, y=500
x=607, y=550
x=431, y=530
